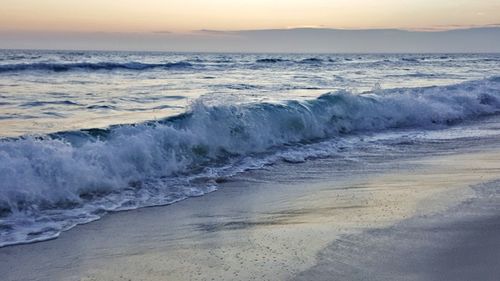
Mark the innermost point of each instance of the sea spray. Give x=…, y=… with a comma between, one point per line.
x=50, y=183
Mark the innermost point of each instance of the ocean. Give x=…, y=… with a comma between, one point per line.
x=87, y=133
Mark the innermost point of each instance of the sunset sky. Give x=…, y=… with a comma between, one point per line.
x=188, y=15
x=251, y=25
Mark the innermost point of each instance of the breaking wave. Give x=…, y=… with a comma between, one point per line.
x=56, y=181
x=63, y=67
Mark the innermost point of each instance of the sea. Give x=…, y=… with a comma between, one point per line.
x=86, y=133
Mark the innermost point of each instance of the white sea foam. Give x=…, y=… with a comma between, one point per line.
x=49, y=184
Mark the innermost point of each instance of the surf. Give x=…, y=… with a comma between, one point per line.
x=74, y=177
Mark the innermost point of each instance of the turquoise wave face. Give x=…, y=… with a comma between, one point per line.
x=83, y=173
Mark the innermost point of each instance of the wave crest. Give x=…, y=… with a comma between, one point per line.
x=71, y=170
x=63, y=67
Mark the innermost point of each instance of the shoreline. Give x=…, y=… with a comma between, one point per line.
x=461, y=243
x=263, y=225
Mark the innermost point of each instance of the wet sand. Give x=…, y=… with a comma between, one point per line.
x=274, y=224
x=461, y=243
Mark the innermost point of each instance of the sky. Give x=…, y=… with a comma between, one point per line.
x=188, y=15
x=35, y=23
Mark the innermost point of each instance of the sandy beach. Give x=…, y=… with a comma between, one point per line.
x=249, y=140
x=459, y=244
x=302, y=221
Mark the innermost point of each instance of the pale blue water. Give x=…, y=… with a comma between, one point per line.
x=44, y=91
x=191, y=119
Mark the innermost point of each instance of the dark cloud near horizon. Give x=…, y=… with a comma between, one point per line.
x=484, y=39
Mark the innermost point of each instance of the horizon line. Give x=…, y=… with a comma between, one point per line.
x=430, y=29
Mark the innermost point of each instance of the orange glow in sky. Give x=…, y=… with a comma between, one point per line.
x=188, y=15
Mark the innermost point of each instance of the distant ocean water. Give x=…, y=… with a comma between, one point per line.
x=84, y=133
